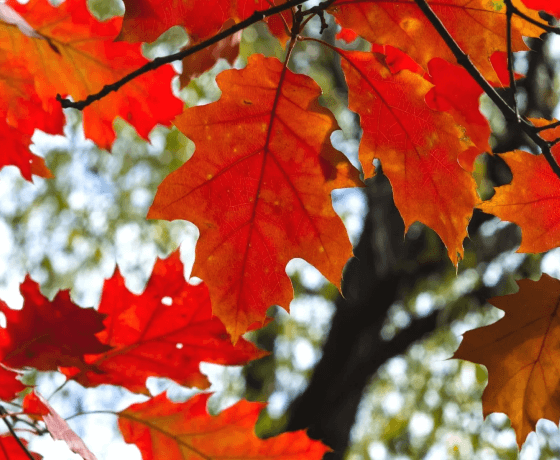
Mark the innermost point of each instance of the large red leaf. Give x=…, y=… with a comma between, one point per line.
x=258, y=188
x=146, y=20
x=163, y=430
x=418, y=147
x=45, y=334
x=11, y=450
x=79, y=58
x=521, y=352
x=479, y=27
x=166, y=331
x=532, y=199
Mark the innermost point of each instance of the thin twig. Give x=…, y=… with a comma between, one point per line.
x=89, y=412
x=160, y=61
x=12, y=431
x=508, y=112
x=549, y=126
x=512, y=84
x=542, y=25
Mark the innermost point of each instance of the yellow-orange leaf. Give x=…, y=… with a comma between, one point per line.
x=521, y=352
x=258, y=188
x=418, y=147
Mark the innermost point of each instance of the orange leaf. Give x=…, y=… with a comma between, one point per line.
x=163, y=430
x=521, y=352
x=418, y=147
x=532, y=199
x=166, y=331
x=45, y=334
x=258, y=189
x=78, y=57
x=11, y=450
x=478, y=26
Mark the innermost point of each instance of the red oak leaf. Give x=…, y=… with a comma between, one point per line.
x=10, y=386
x=348, y=35
x=11, y=450
x=198, y=63
x=456, y=92
x=163, y=430
x=73, y=44
x=166, y=331
x=146, y=20
x=34, y=407
x=258, y=188
x=521, y=352
x=479, y=27
x=549, y=6
x=46, y=334
x=418, y=147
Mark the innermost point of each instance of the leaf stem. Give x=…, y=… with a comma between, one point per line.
x=160, y=61
x=79, y=414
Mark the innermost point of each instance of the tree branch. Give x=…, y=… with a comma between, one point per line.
x=508, y=112
x=160, y=61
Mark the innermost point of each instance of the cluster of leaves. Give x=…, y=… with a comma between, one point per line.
x=259, y=190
